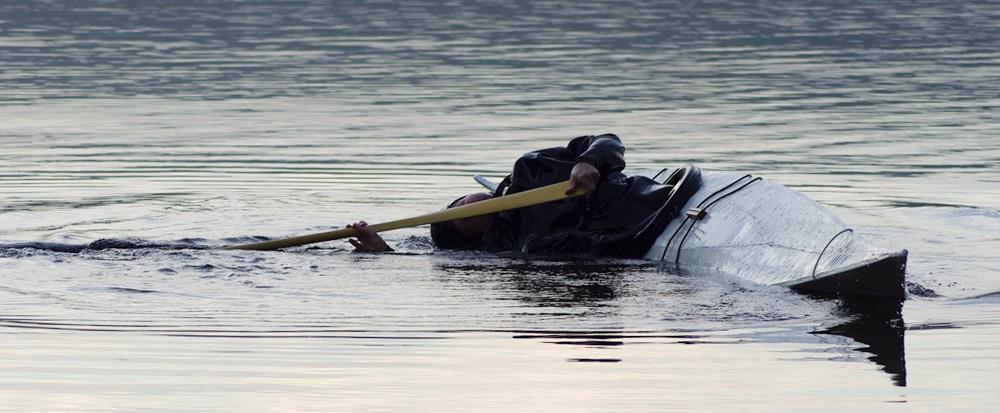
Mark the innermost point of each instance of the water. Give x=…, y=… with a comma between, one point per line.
x=200, y=124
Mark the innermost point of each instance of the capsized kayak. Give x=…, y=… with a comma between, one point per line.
x=761, y=231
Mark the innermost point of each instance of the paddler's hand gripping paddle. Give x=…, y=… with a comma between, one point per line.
x=535, y=196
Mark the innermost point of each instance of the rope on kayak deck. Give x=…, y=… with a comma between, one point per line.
x=704, y=208
x=686, y=218
x=659, y=173
x=827, y=246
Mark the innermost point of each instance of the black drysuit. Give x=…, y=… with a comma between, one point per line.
x=622, y=218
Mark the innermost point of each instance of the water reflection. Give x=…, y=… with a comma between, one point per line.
x=551, y=282
x=606, y=289
x=878, y=324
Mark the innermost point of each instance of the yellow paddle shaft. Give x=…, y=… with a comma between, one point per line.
x=535, y=196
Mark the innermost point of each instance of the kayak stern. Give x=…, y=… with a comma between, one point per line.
x=881, y=277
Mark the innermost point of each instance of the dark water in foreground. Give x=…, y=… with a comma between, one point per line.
x=206, y=123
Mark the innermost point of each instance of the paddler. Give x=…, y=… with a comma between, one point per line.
x=621, y=216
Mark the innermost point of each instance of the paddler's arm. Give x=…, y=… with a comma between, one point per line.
x=595, y=156
x=367, y=240
x=605, y=152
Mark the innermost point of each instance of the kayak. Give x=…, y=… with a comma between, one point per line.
x=757, y=230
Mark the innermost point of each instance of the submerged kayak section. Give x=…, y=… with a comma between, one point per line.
x=761, y=231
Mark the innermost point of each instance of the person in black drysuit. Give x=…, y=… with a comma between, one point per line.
x=620, y=217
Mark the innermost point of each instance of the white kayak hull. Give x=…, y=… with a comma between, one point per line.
x=766, y=233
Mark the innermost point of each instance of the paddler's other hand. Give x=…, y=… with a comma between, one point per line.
x=584, y=176
x=368, y=240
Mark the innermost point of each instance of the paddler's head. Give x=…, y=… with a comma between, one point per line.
x=462, y=234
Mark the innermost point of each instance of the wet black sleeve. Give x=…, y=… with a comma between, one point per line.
x=606, y=152
x=551, y=165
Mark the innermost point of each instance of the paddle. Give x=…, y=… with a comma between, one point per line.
x=535, y=196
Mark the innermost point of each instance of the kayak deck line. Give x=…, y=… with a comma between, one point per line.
x=701, y=210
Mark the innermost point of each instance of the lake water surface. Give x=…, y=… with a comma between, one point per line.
x=202, y=124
